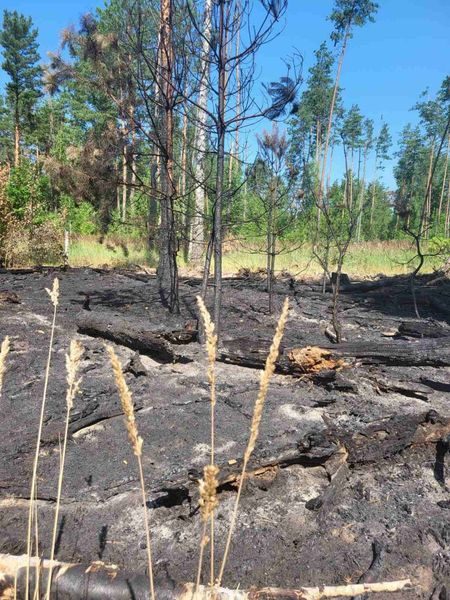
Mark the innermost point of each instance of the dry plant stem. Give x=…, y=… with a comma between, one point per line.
x=211, y=348
x=54, y=296
x=136, y=444
x=256, y=420
x=38, y=563
x=73, y=360
x=203, y=542
x=4, y=350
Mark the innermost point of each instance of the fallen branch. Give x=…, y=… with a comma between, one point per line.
x=417, y=353
x=123, y=332
x=108, y=581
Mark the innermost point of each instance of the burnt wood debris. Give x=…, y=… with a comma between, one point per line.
x=348, y=483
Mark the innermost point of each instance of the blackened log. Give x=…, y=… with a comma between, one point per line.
x=123, y=332
x=417, y=353
x=423, y=329
x=99, y=581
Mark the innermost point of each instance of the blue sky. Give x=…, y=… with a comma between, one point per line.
x=388, y=63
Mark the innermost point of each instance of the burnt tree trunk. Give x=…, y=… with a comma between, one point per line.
x=167, y=266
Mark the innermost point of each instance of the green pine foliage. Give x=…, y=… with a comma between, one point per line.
x=79, y=142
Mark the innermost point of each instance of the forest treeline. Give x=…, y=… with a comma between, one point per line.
x=138, y=125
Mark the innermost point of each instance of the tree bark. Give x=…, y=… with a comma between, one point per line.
x=124, y=183
x=198, y=221
x=234, y=153
x=444, y=181
x=330, y=122
x=426, y=216
x=167, y=271
x=361, y=196
x=220, y=168
x=16, y=143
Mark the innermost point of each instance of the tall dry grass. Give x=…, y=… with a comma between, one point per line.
x=136, y=444
x=54, y=297
x=73, y=360
x=209, y=483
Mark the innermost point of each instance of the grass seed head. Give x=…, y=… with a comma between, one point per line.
x=54, y=292
x=73, y=360
x=265, y=379
x=208, y=491
x=127, y=403
x=211, y=343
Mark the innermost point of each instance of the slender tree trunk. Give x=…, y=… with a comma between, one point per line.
x=444, y=181
x=183, y=179
x=317, y=142
x=329, y=170
x=153, y=208
x=167, y=266
x=270, y=247
x=132, y=167
x=207, y=268
x=335, y=303
x=16, y=133
x=346, y=176
x=330, y=122
x=350, y=187
x=361, y=197
x=220, y=168
x=245, y=187
x=235, y=151
x=198, y=221
x=16, y=145
x=124, y=183
x=426, y=217
x=372, y=200
x=447, y=214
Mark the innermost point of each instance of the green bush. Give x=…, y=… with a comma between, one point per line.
x=28, y=192
x=78, y=218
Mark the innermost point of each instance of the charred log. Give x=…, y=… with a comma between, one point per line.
x=98, y=580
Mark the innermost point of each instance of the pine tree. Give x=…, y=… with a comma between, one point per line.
x=20, y=52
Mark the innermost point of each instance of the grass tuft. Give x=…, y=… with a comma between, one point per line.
x=54, y=296
x=73, y=360
x=208, y=486
x=136, y=444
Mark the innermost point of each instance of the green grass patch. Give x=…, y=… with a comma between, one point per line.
x=366, y=259
x=88, y=251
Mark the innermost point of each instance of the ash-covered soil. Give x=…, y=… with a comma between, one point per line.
x=349, y=479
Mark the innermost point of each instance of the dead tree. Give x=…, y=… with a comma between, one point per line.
x=231, y=75
x=167, y=271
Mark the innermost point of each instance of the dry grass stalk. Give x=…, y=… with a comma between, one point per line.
x=265, y=378
x=209, y=483
x=136, y=444
x=73, y=360
x=54, y=296
x=4, y=351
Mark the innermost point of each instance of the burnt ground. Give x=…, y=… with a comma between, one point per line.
x=349, y=477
